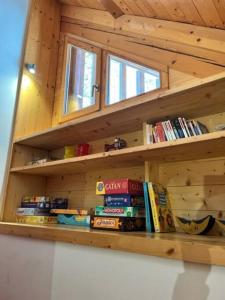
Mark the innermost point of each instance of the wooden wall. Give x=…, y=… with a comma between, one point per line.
x=37, y=92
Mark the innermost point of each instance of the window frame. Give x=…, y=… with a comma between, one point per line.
x=93, y=108
x=105, y=55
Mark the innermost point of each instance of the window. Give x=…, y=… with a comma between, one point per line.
x=126, y=79
x=91, y=76
x=82, y=79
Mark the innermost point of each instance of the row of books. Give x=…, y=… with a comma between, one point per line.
x=173, y=129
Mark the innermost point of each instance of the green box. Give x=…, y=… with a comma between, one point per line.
x=119, y=211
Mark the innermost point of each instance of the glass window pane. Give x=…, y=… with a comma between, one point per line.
x=126, y=79
x=80, y=79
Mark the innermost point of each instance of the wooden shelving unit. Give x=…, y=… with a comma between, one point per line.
x=204, y=146
x=194, y=91
x=200, y=249
x=192, y=100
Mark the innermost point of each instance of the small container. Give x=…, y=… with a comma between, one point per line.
x=69, y=152
x=83, y=149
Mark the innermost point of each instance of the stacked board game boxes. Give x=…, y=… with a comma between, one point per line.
x=37, y=209
x=73, y=217
x=123, y=208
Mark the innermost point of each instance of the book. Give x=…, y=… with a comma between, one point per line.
x=170, y=128
x=166, y=131
x=161, y=212
x=174, y=129
x=186, y=126
x=182, y=127
x=202, y=127
x=160, y=132
x=191, y=128
x=178, y=127
x=148, y=210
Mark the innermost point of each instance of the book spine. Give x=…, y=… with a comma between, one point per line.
x=198, y=128
x=182, y=127
x=151, y=134
x=147, y=208
x=174, y=129
x=161, y=133
x=165, y=131
x=192, y=128
x=171, y=130
x=179, y=129
x=153, y=207
x=203, y=128
x=186, y=127
x=168, y=131
x=145, y=132
x=195, y=127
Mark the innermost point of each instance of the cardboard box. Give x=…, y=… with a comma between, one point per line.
x=36, y=220
x=74, y=211
x=32, y=211
x=125, y=200
x=119, y=211
x=119, y=186
x=75, y=220
x=118, y=223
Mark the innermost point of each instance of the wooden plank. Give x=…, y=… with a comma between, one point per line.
x=175, y=60
x=209, y=13
x=204, y=146
x=194, y=100
x=112, y=8
x=172, y=31
x=197, y=249
x=42, y=50
x=94, y=4
x=193, y=173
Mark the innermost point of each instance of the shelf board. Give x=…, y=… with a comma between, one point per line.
x=204, y=97
x=197, y=147
x=198, y=249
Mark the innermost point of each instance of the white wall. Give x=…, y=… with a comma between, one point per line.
x=12, y=25
x=41, y=270
x=38, y=270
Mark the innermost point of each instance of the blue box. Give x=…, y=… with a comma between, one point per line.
x=124, y=200
x=74, y=220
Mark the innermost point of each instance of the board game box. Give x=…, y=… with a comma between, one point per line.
x=119, y=186
x=32, y=211
x=57, y=203
x=36, y=219
x=118, y=223
x=74, y=220
x=119, y=211
x=73, y=211
x=125, y=200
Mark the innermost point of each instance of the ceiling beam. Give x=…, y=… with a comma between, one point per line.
x=112, y=8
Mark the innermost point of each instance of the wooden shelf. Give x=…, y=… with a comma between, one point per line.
x=202, y=98
x=199, y=249
x=197, y=147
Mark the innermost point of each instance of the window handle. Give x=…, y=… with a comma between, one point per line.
x=95, y=87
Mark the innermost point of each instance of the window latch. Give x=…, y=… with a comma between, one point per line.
x=95, y=87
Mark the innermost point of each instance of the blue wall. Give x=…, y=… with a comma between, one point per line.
x=13, y=14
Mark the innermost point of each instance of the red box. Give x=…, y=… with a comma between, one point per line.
x=119, y=186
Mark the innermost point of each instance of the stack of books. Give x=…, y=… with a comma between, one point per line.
x=37, y=209
x=123, y=208
x=74, y=217
x=173, y=129
x=159, y=216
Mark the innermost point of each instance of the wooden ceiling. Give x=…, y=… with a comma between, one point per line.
x=208, y=13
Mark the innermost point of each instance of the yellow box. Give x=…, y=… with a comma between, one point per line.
x=36, y=220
